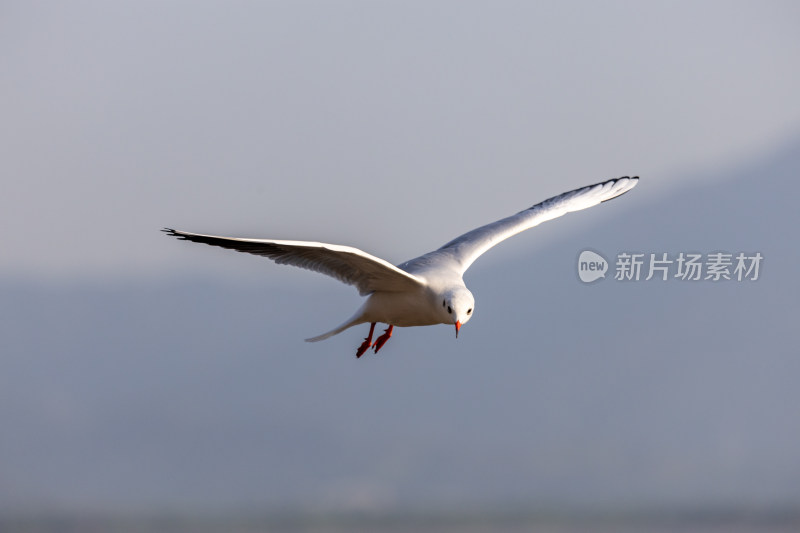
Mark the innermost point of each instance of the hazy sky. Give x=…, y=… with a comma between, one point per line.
x=394, y=127
x=391, y=126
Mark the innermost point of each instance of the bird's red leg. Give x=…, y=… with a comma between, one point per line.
x=380, y=341
x=367, y=342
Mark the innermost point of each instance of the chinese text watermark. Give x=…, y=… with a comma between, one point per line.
x=682, y=266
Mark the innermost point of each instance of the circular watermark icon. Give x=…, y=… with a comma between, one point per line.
x=591, y=266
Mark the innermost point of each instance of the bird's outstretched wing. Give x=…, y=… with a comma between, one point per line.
x=349, y=265
x=462, y=251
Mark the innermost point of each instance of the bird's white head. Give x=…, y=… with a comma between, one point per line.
x=457, y=307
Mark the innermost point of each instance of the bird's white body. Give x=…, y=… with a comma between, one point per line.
x=422, y=306
x=403, y=309
x=426, y=290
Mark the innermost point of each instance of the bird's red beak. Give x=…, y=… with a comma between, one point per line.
x=458, y=327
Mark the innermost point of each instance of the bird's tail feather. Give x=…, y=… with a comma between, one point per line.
x=352, y=321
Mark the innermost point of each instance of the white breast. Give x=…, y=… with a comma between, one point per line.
x=402, y=309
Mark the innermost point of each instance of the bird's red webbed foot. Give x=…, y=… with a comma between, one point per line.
x=367, y=342
x=380, y=341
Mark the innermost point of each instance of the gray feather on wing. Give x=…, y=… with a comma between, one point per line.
x=462, y=251
x=349, y=265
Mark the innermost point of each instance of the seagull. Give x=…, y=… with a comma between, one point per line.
x=424, y=291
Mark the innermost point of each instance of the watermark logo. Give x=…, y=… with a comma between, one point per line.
x=683, y=266
x=591, y=266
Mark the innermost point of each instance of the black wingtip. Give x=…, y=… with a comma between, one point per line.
x=173, y=233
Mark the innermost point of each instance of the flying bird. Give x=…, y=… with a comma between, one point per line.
x=424, y=291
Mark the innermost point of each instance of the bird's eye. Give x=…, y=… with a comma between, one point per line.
x=449, y=310
x=469, y=311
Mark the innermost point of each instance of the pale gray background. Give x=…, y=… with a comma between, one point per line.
x=143, y=374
